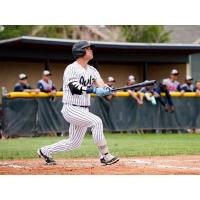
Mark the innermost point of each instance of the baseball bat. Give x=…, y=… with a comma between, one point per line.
x=138, y=85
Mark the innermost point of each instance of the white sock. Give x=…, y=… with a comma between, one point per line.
x=103, y=150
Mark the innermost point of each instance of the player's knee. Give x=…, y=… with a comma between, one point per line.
x=98, y=122
x=75, y=144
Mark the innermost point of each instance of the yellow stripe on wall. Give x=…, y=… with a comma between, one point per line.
x=60, y=94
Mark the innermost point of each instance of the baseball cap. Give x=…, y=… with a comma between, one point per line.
x=23, y=76
x=46, y=73
x=188, y=78
x=131, y=78
x=174, y=72
x=111, y=79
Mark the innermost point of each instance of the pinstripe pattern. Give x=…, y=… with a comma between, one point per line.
x=76, y=73
x=75, y=111
x=80, y=119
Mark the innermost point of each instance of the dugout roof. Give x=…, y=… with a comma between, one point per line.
x=38, y=48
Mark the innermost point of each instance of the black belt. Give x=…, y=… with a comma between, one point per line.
x=80, y=106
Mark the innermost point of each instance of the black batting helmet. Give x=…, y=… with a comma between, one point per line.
x=78, y=49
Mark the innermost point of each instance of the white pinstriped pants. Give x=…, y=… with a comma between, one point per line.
x=80, y=119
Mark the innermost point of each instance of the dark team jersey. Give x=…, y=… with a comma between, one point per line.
x=19, y=87
x=187, y=88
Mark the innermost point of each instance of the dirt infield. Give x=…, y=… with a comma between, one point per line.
x=90, y=166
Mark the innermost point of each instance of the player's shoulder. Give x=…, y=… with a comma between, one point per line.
x=166, y=79
x=40, y=81
x=91, y=68
x=177, y=82
x=17, y=85
x=71, y=66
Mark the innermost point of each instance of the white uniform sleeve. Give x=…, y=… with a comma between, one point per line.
x=69, y=75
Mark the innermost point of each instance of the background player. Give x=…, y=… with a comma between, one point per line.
x=149, y=94
x=167, y=85
x=138, y=97
x=188, y=86
x=111, y=83
x=23, y=85
x=78, y=82
x=46, y=84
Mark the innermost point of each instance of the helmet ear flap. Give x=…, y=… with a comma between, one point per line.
x=78, y=53
x=78, y=49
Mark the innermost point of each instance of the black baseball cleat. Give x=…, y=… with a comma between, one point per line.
x=48, y=160
x=109, y=159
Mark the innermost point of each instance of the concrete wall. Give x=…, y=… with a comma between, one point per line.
x=160, y=71
x=9, y=72
x=121, y=72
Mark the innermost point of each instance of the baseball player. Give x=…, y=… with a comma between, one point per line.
x=46, y=84
x=149, y=94
x=171, y=82
x=187, y=86
x=23, y=85
x=79, y=80
x=138, y=97
x=168, y=85
x=111, y=82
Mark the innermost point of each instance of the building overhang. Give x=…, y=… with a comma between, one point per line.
x=38, y=48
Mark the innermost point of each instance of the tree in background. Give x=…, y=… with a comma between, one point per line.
x=129, y=33
x=58, y=31
x=53, y=31
x=11, y=31
x=145, y=33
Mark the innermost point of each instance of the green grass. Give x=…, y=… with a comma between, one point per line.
x=120, y=144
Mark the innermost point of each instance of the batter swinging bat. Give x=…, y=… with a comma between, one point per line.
x=138, y=85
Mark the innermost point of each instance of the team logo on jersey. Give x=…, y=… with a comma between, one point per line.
x=87, y=82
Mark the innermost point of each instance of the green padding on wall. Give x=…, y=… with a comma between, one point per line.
x=32, y=116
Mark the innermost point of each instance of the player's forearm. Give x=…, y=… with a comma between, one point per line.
x=100, y=83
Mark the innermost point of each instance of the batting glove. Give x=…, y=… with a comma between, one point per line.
x=103, y=91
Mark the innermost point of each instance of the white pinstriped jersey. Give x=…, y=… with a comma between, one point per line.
x=85, y=76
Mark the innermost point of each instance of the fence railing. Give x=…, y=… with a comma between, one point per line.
x=119, y=94
x=32, y=114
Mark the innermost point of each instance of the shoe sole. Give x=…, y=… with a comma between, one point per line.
x=50, y=164
x=40, y=156
x=111, y=162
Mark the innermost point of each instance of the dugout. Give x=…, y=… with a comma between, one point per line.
x=31, y=55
